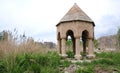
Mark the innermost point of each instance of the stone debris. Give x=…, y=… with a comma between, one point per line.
x=71, y=69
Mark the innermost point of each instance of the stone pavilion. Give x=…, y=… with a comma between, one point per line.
x=79, y=27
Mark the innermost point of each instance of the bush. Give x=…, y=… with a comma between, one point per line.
x=70, y=54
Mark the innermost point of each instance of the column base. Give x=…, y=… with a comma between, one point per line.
x=63, y=55
x=77, y=57
x=90, y=56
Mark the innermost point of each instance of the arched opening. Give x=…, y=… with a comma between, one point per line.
x=70, y=39
x=85, y=35
x=59, y=43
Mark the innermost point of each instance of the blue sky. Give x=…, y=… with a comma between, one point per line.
x=37, y=18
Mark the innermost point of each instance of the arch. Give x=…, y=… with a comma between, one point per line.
x=85, y=35
x=71, y=34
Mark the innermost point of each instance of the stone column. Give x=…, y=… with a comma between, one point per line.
x=90, y=48
x=58, y=46
x=77, y=52
x=63, y=48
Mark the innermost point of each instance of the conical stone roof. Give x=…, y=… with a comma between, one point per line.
x=75, y=14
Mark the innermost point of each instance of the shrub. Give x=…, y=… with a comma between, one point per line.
x=70, y=54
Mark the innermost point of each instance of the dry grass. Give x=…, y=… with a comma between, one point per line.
x=10, y=47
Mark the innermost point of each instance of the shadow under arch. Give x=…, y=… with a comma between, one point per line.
x=71, y=34
x=85, y=35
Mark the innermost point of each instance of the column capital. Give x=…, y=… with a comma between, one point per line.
x=63, y=37
x=77, y=37
x=90, y=38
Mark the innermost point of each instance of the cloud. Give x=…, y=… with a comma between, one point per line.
x=37, y=18
x=109, y=22
x=108, y=25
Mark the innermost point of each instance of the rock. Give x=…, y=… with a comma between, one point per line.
x=71, y=69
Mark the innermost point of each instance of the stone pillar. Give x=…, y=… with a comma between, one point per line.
x=63, y=50
x=77, y=52
x=90, y=48
x=73, y=45
x=58, y=46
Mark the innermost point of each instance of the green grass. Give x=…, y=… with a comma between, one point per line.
x=50, y=62
x=109, y=62
x=70, y=54
x=30, y=62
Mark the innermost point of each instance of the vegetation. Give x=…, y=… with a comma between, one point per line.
x=70, y=54
x=30, y=57
x=104, y=62
x=96, y=43
x=50, y=62
x=30, y=62
x=69, y=42
x=118, y=39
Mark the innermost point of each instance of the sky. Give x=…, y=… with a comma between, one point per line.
x=38, y=18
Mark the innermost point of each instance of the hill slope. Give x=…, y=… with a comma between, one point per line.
x=107, y=42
